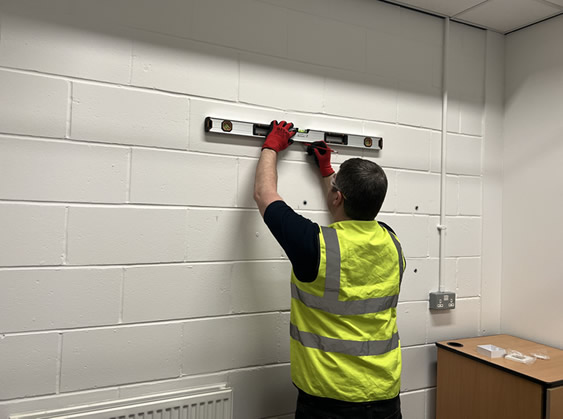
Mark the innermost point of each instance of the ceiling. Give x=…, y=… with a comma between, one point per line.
x=502, y=16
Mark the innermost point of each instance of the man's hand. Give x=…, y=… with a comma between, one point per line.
x=279, y=137
x=321, y=151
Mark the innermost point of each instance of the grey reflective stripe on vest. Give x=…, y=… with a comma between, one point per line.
x=332, y=277
x=354, y=307
x=348, y=347
x=329, y=301
x=400, y=253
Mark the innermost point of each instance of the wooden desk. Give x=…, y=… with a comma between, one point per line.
x=474, y=386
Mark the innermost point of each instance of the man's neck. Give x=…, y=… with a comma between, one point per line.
x=340, y=216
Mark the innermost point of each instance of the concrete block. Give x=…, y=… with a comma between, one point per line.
x=411, y=320
x=463, y=236
x=245, y=24
x=31, y=235
x=23, y=8
x=290, y=85
x=453, y=115
x=317, y=40
x=175, y=19
x=165, y=292
x=236, y=342
x=419, y=105
x=126, y=116
x=451, y=275
x=178, y=178
x=430, y=403
x=117, y=235
x=472, y=112
x=29, y=365
x=420, y=26
x=382, y=53
x=301, y=186
x=284, y=351
x=224, y=235
x=436, y=152
x=33, y=105
x=420, y=277
x=43, y=299
x=418, y=192
x=57, y=44
x=403, y=147
x=419, y=367
x=56, y=401
x=412, y=232
x=413, y=404
x=364, y=96
x=463, y=322
x=106, y=357
x=452, y=195
x=419, y=62
x=57, y=171
x=466, y=55
x=383, y=16
x=260, y=286
x=434, y=236
x=245, y=183
x=321, y=218
x=464, y=155
x=469, y=277
x=263, y=392
x=390, y=203
x=470, y=195
x=179, y=65
x=175, y=384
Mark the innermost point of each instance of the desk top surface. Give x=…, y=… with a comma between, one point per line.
x=549, y=371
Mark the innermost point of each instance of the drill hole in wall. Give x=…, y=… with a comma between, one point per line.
x=304, y=202
x=415, y=270
x=416, y=208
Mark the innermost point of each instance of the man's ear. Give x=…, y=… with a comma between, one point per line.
x=338, y=199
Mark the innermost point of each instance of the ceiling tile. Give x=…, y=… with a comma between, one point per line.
x=508, y=15
x=444, y=7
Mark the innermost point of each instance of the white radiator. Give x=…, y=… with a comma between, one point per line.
x=203, y=403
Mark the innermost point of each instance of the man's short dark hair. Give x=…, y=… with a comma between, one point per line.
x=364, y=186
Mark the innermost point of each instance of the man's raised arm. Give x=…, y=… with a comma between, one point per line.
x=266, y=180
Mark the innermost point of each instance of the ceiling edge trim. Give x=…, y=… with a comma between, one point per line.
x=535, y=23
x=436, y=14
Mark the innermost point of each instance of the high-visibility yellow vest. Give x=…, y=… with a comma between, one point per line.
x=344, y=338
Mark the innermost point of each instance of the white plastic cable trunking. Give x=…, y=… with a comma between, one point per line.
x=213, y=402
x=256, y=130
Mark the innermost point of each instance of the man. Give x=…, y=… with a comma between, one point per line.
x=345, y=349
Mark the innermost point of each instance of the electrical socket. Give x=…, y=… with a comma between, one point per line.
x=442, y=300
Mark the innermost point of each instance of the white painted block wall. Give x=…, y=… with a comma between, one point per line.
x=132, y=256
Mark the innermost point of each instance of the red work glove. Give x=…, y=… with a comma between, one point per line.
x=279, y=137
x=321, y=151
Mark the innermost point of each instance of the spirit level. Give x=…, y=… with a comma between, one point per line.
x=251, y=129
